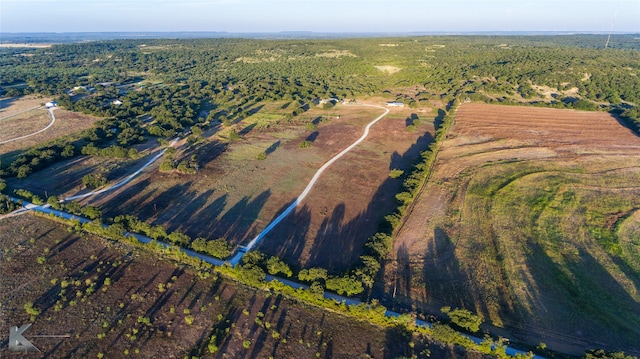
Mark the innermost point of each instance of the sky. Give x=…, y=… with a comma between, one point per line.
x=319, y=16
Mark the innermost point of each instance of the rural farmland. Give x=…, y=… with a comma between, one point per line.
x=522, y=206
x=484, y=197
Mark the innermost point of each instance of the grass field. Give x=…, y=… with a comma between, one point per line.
x=18, y=118
x=235, y=194
x=529, y=219
x=116, y=301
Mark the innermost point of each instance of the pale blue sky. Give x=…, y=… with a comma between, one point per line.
x=319, y=16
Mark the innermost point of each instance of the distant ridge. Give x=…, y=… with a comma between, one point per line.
x=71, y=37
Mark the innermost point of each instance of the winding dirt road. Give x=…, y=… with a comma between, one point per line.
x=236, y=258
x=125, y=180
x=53, y=120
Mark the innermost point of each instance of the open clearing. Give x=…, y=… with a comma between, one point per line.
x=118, y=300
x=530, y=220
x=18, y=118
x=329, y=228
x=234, y=195
x=23, y=124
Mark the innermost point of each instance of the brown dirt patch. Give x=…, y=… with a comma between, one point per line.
x=234, y=195
x=13, y=105
x=24, y=124
x=142, y=309
x=21, y=124
x=330, y=226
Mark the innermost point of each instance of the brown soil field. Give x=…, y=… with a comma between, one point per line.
x=448, y=253
x=234, y=195
x=24, y=124
x=20, y=124
x=329, y=228
x=12, y=105
x=124, y=301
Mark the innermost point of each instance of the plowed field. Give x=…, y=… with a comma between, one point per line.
x=529, y=219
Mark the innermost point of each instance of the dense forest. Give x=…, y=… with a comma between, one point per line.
x=177, y=84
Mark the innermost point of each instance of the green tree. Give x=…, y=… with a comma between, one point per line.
x=463, y=318
x=275, y=266
x=346, y=285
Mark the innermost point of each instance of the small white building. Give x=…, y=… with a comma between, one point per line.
x=51, y=104
x=395, y=104
x=117, y=102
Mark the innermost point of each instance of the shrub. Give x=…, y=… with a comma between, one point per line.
x=234, y=135
x=395, y=173
x=463, y=318
x=312, y=274
x=275, y=266
x=218, y=248
x=31, y=310
x=305, y=144
x=347, y=285
x=94, y=180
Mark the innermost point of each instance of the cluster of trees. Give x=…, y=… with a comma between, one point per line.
x=252, y=272
x=38, y=158
x=6, y=204
x=219, y=248
x=225, y=80
x=94, y=180
x=91, y=212
x=111, y=151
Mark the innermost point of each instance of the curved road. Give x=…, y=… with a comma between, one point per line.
x=53, y=120
x=124, y=181
x=236, y=258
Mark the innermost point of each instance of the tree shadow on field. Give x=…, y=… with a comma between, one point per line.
x=126, y=201
x=312, y=137
x=287, y=239
x=604, y=311
x=272, y=148
x=202, y=223
x=444, y=279
x=247, y=129
x=4, y=104
x=338, y=243
x=238, y=223
x=437, y=122
x=209, y=151
x=185, y=208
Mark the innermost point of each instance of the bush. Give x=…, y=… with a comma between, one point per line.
x=31, y=310
x=6, y=204
x=305, y=144
x=463, y=318
x=395, y=173
x=275, y=266
x=166, y=165
x=234, y=135
x=94, y=180
x=312, y=274
x=347, y=285
x=218, y=248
